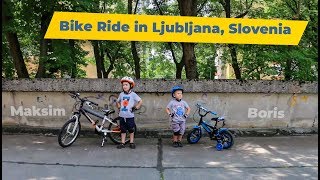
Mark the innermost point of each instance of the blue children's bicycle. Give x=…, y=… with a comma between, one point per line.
x=222, y=135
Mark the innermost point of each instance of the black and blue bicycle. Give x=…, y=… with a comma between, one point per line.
x=222, y=135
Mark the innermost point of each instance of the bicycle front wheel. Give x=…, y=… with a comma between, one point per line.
x=69, y=132
x=194, y=136
x=116, y=135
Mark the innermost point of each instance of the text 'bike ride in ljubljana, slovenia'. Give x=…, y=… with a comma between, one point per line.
x=188, y=28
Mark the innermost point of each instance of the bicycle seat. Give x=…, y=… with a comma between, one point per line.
x=214, y=119
x=217, y=119
x=108, y=111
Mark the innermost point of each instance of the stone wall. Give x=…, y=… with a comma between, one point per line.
x=245, y=104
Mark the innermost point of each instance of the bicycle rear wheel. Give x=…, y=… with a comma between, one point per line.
x=116, y=136
x=227, y=139
x=66, y=135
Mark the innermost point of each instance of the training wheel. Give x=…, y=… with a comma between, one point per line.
x=219, y=146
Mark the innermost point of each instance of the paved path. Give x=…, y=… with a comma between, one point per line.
x=40, y=157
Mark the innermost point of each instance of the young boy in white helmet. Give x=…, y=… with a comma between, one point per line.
x=127, y=102
x=178, y=110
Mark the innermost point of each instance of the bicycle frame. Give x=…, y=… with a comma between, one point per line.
x=208, y=128
x=105, y=118
x=85, y=107
x=86, y=111
x=222, y=135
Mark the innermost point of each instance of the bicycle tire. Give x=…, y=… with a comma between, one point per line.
x=194, y=136
x=116, y=137
x=227, y=139
x=66, y=126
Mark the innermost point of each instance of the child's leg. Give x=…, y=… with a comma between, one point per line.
x=131, y=137
x=181, y=132
x=123, y=127
x=175, y=138
x=175, y=128
x=131, y=124
x=123, y=138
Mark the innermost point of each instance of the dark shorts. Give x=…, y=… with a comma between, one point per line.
x=127, y=124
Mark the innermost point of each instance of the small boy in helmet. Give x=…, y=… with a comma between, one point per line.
x=178, y=110
x=127, y=102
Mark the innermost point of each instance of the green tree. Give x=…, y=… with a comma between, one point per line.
x=298, y=62
x=11, y=37
x=206, y=54
x=53, y=56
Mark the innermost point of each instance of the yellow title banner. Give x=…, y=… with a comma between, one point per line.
x=125, y=27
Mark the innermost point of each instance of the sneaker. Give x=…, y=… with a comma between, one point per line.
x=179, y=144
x=120, y=146
x=132, y=146
x=175, y=144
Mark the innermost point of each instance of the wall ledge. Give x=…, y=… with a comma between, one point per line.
x=159, y=86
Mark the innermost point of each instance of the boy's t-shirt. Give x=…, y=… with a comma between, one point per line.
x=127, y=101
x=178, y=108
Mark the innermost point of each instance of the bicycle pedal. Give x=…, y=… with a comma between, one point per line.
x=103, y=141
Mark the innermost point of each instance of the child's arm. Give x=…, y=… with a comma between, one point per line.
x=118, y=105
x=138, y=104
x=188, y=111
x=168, y=111
x=118, y=102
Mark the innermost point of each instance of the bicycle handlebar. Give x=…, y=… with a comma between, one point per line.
x=205, y=110
x=77, y=95
x=90, y=102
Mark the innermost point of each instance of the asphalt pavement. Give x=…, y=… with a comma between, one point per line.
x=38, y=157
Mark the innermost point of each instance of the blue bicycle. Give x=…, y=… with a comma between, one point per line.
x=222, y=135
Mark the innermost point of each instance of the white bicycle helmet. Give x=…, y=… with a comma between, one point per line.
x=129, y=80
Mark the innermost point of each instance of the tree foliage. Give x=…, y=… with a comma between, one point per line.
x=114, y=59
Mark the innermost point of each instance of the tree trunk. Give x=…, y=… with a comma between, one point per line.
x=97, y=57
x=110, y=68
x=136, y=59
x=52, y=69
x=102, y=60
x=45, y=19
x=16, y=55
x=189, y=60
x=287, y=70
x=112, y=60
x=73, y=59
x=232, y=48
x=179, y=65
x=134, y=51
x=234, y=61
x=189, y=8
x=14, y=44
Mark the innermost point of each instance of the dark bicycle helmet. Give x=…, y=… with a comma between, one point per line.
x=175, y=88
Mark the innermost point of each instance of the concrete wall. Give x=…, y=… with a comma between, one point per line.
x=279, y=104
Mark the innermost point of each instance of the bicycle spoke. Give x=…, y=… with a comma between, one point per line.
x=64, y=137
